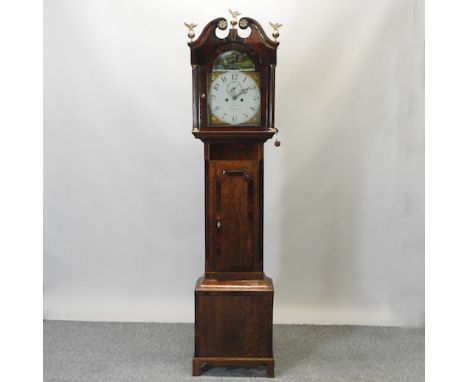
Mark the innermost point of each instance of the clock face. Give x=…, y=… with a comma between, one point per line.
x=234, y=98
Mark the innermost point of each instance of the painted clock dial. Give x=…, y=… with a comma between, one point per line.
x=234, y=96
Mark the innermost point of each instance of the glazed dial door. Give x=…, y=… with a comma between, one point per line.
x=234, y=97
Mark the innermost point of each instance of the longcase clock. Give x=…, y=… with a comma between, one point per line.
x=233, y=115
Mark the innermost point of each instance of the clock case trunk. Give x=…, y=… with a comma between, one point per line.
x=234, y=298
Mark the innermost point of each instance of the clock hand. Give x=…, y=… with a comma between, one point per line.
x=243, y=91
x=231, y=91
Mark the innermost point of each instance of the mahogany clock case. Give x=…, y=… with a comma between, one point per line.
x=234, y=298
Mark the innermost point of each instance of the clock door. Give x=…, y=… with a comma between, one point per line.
x=232, y=224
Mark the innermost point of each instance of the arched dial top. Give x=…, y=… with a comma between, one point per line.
x=233, y=60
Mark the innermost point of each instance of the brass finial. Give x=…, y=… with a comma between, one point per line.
x=234, y=15
x=275, y=27
x=191, y=33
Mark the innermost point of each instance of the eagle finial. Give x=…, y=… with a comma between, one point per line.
x=275, y=27
x=234, y=15
x=191, y=33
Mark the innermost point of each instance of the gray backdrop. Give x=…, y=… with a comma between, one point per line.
x=344, y=194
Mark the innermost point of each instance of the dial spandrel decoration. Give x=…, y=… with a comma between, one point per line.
x=234, y=90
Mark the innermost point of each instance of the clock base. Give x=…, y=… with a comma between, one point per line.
x=199, y=362
x=233, y=323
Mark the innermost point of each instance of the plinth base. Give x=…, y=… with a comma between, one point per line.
x=198, y=363
x=233, y=323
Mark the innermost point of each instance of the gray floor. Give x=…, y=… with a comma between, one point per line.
x=133, y=352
